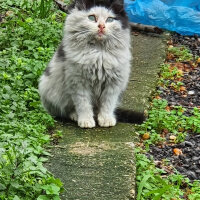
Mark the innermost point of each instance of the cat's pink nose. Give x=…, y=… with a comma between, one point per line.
x=101, y=26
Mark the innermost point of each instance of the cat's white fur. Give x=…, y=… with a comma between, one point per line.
x=94, y=73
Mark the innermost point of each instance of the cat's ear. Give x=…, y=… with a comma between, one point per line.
x=118, y=1
x=118, y=6
x=84, y=4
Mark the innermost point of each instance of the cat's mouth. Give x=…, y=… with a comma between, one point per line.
x=101, y=34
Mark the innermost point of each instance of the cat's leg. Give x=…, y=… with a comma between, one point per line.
x=108, y=102
x=73, y=116
x=83, y=107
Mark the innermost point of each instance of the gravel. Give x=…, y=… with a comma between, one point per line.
x=192, y=42
x=188, y=162
x=189, y=98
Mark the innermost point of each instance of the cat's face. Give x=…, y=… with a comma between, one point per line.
x=97, y=21
x=101, y=22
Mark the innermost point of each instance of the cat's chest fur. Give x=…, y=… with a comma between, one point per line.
x=96, y=63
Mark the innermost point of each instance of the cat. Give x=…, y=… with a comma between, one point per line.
x=91, y=67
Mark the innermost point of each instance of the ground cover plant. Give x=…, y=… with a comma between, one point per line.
x=29, y=34
x=170, y=122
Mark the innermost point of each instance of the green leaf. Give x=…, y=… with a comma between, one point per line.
x=43, y=197
x=141, y=185
x=51, y=189
x=16, y=198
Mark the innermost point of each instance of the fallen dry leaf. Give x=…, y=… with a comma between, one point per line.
x=170, y=56
x=9, y=12
x=180, y=71
x=181, y=129
x=177, y=151
x=172, y=138
x=145, y=136
x=170, y=42
x=165, y=131
x=168, y=108
x=158, y=97
x=182, y=88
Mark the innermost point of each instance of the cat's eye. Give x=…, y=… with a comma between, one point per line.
x=92, y=18
x=110, y=19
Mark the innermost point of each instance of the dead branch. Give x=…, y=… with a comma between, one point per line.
x=62, y=6
x=146, y=28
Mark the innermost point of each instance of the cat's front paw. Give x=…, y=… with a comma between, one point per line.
x=86, y=123
x=106, y=120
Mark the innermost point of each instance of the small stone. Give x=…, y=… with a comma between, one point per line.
x=186, y=166
x=191, y=175
x=180, y=169
x=187, y=160
x=187, y=38
x=192, y=92
x=182, y=157
x=181, y=145
x=195, y=158
x=189, y=144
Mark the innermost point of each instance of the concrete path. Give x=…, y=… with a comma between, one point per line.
x=98, y=164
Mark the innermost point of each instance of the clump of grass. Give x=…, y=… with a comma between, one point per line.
x=181, y=53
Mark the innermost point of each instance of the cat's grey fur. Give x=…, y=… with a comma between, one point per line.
x=88, y=72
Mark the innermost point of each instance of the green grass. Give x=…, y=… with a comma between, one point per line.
x=29, y=34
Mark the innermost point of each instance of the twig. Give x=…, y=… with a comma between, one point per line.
x=146, y=28
x=62, y=6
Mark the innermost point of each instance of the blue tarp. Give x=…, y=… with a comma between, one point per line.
x=182, y=16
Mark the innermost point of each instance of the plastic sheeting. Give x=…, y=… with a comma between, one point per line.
x=182, y=16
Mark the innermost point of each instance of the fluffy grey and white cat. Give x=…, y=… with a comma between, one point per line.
x=91, y=67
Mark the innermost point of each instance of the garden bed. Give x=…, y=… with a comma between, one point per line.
x=170, y=136
x=25, y=48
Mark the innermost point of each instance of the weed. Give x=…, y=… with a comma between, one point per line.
x=150, y=183
x=181, y=53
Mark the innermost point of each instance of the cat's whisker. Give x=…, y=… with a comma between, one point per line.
x=117, y=39
x=76, y=34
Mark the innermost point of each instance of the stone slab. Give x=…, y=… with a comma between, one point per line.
x=99, y=163
x=95, y=170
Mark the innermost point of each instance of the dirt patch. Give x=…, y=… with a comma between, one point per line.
x=88, y=149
